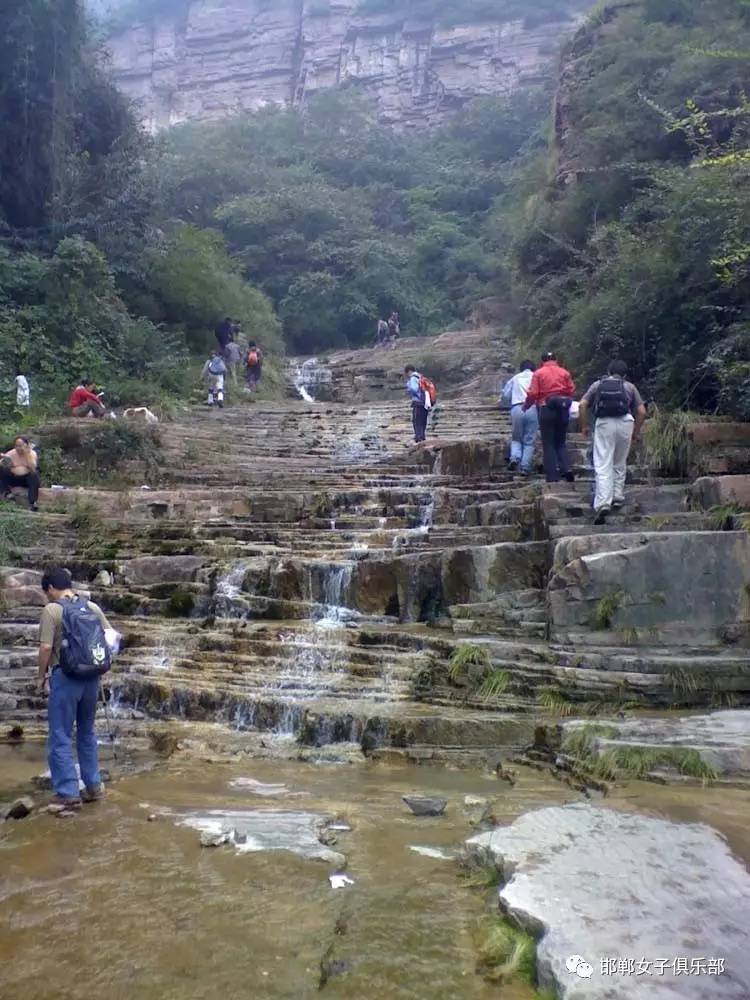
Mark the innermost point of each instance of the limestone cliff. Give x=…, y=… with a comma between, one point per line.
x=221, y=56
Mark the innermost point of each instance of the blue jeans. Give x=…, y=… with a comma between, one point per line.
x=72, y=701
x=525, y=430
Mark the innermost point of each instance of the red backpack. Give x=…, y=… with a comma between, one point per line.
x=428, y=388
x=253, y=357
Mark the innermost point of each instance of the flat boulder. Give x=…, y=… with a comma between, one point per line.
x=607, y=893
x=265, y=830
x=683, y=587
x=722, y=738
x=147, y=570
x=422, y=805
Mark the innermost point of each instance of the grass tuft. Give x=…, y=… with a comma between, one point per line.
x=505, y=952
x=467, y=655
x=606, y=609
x=494, y=685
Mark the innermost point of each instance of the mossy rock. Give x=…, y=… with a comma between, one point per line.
x=181, y=603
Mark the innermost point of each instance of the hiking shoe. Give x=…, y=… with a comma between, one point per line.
x=570, y=477
x=513, y=464
x=63, y=804
x=601, y=515
x=93, y=794
x=618, y=504
x=34, y=507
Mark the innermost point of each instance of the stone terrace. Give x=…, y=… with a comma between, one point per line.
x=301, y=568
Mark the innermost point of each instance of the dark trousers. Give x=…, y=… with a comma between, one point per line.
x=419, y=420
x=31, y=481
x=553, y=426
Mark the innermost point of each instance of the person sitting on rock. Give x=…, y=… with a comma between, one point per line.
x=20, y=467
x=525, y=423
x=619, y=414
x=213, y=372
x=85, y=402
x=72, y=699
x=551, y=391
x=253, y=366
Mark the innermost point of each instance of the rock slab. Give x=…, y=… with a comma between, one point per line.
x=606, y=886
x=424, y=806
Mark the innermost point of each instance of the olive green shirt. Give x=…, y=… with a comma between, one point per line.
x=50, y=628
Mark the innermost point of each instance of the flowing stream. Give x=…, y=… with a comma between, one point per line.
x=169, y=920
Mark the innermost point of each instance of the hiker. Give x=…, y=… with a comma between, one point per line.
x=525, y=423
x=84, y=401
x=384, y=332
x=619, y=414
x=213, y=372
x=73, y=654
x=551, y=391
x=233, y=359
x=394, y=328
x=23, y=393
x=224, y=333
x=253, y=366
x=423, y=395
x=20, y=467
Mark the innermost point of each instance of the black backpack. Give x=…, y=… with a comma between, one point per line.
x=612, y=398
x=84, y=652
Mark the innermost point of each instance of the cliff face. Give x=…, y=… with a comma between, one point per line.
x=221, y=56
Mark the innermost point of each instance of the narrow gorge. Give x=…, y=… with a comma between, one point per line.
x=318, y=619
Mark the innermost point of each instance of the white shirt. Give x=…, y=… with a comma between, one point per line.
x=22, y=390
x=517, y=388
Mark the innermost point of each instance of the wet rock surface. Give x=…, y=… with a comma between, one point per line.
x=265, y=830
x=422, y=805
x=608, y=886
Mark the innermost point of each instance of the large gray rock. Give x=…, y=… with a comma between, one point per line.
x=605, y=885
x=682, y=586
x=721, y=738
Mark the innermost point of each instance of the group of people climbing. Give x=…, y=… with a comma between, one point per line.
x=389, y=331
x=230, y=356
x=542, y=403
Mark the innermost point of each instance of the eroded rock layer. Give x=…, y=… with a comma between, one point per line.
x=215, y=58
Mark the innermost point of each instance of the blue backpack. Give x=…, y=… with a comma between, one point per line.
x=84, y=652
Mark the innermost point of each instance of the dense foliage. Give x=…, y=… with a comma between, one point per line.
x=93, y=280
x=640, y=244
x=341, y=220
x=623, y=229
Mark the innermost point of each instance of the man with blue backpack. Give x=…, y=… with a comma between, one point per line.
x=423, y=395
x=73, y=655
x=214, y=372
x=619, y=413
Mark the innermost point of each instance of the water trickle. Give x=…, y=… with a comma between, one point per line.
x=228, y=599
x=307, y=377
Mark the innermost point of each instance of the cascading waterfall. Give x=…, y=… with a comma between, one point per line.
x=307, y=377
x=228, y=599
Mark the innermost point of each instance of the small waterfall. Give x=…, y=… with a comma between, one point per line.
x=228, y=599
x=308, y=376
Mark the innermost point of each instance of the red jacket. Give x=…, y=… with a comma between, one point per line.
x=80, y=395
x=549, y=380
